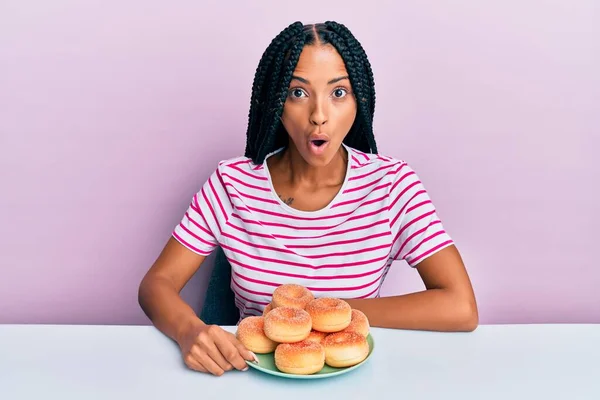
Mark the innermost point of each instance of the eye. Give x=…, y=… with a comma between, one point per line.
x=297, y=93
x=339, y=93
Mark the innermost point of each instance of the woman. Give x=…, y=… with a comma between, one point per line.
x=311, y=202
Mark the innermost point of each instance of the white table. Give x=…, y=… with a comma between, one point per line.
x=138, y=362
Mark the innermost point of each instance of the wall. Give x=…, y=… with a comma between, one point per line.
x=112, y=114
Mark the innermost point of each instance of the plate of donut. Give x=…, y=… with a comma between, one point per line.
x=303, y=337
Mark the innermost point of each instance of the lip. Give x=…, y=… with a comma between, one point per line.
x=318, y=150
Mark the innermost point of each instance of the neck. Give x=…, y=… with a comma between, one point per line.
x=303, y=174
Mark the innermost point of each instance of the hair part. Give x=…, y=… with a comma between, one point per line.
x=265, y=132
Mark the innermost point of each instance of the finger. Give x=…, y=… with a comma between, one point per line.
x=231, y=352
x=192, y=364
x=214, y=353
x=242, y=350
x=210, y=365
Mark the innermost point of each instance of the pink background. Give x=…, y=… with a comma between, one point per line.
x=112, y=114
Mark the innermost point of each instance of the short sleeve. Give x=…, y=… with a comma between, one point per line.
x=200, y=227
x=417, y=230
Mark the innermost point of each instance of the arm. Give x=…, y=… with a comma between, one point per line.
x=159, y=290
x=447, y=304
x=206, y=348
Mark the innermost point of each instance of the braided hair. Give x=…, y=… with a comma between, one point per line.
x=265, y=132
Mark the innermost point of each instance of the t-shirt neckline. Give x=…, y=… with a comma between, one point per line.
x=293, y=210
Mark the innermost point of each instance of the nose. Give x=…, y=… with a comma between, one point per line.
x=318, y=115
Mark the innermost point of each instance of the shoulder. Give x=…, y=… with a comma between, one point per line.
x=239, y=174
x=361, y=159
x=381, y=165
x=237, y=165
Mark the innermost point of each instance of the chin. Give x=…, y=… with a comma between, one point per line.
x=318, y=161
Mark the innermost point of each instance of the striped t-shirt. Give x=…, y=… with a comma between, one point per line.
x=381, y=213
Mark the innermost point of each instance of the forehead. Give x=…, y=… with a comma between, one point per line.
x=320, y=61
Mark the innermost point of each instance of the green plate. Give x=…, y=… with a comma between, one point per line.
x=266, y=364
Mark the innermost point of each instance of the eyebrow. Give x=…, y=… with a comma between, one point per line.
x=341, y=78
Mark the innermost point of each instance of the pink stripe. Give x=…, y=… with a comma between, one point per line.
x=316, y=277
x=361, y=198
x=296, y=227
x=247, y=196
x=224, y=190
x=241, y=305
x=196, y=207
x=344, y=289
x=370, y=173
x=262, y=211
x=312, y=246
x=383, y=158
x=358, y=228
x=257, y=177
x=316, y=289
x=364, y=155
x=251, y=291
x=370, y=294
x=408, y=239
x=402, y=178
x=415, y=220
x=248, y=300
x=412, y=209
x=356, y=160
x=234, y=164
x=212, y=211
x=301, y=265
x=312, y=256
x=218, y=198
x=405, y=205
x=427, y=239
x=194, y=235
x=233, y=178
x=439, y=246
x=258, y=246
x=409, y=200
x=418, y=205
x=205, y=253
x=406, y=189
x=354, y=189
x=198, y=225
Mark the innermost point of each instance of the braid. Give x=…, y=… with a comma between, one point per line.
x=277, y=97
x=265, y=131
x=263, y=86
x=361, y=77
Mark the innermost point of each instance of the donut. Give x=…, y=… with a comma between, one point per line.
x=268, y=308
x=302, y=358
x=287, y=325
x=345, y=349
x=329, y=314
x=291, y=295
x=316, y=336
x=359, y=323
x=250, y=333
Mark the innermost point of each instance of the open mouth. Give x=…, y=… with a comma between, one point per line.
x=318, y=143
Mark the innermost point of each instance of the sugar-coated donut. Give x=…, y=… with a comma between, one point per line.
x=345, y=349
x=287, y=325
x=250, y=332
x=268, y=308
x=359, y=323
x=291, y=295
x=329, y=314
x=316, y=336
x=303, y=358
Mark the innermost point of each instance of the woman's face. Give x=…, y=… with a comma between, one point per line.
x=320, y=107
